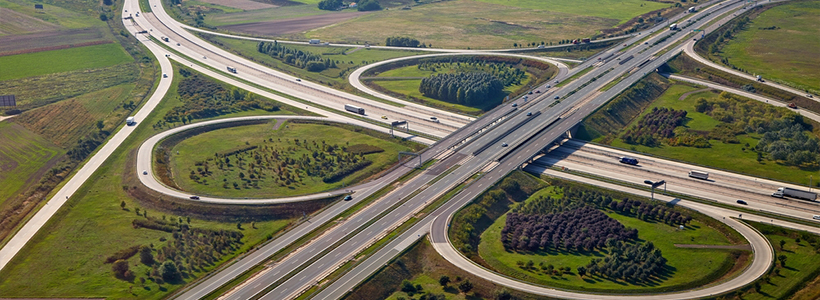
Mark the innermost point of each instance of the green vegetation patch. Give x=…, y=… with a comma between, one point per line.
x=595, y=257
x=795, y=265
x=780, y=43
x=295, y=159
x=22, y=155
x=46, y=62
x=719, y=130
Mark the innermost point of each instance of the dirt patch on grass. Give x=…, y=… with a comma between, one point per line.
x=14, y=22
x=27, y=43
x=241, y=4
x=294, y=25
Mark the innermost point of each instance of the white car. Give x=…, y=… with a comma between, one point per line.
x=503, y=144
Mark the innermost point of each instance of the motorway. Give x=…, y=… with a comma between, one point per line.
x=461, y=154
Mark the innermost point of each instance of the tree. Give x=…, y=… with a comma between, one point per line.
x=100, y=125
x=169, y=272
x=465, y=286
x=582, y=271
x=120, y=268
x=444, y=280
x=782, y=258
x=146, y=256
x=502, y=294
x=122, y=204
x=782, y=243
x=369, y=5
x=407, y=287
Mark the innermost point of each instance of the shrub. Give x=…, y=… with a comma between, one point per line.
x=123, y=254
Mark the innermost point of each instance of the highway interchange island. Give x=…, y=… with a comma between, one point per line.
x=426, y=149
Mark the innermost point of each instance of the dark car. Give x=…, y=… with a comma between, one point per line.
x=557, y=97
x=529, y=114
x=194, y=197
x=515, y=105
x=741, y=202
x=348, y=198
x=530, y=93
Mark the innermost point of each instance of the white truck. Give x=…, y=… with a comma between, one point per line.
x=698, y=174
x=794, y=193
x=314, y=41
x=674, y=26
x=130, y=121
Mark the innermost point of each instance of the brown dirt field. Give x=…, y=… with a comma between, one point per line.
x=15, y=43
x=241, y=4
x=13, y=22
x=287, y=26
x=62, y=122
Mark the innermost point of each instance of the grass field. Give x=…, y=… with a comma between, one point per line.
x=801, y=266
x=477, y=25
x=788, y=53
x=67, y=14
x=260, y=15
x=22, y=154
x=682, y=270
x=619, y=10
x=203, y=146
x=66, y=258
x=39, y=63
x=721, y=155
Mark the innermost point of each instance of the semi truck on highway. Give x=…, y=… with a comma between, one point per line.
x=698, y=174
x=628, y=160
x=790, y=192
x=232, y=69
x=354, y=109
x=674, y=26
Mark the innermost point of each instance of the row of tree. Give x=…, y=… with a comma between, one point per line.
x=295, y=57
x=400, y=41
x=643, y=210
x=462, y=88
x=580, y=229
x=509, y=74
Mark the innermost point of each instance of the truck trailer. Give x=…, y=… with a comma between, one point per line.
x=354, y=109
x=674, y=26
x=698, y=174
x=794, y=193
x=231, y=69
x=130, y=121
x=628, y=160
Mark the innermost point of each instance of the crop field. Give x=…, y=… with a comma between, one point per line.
x=65, y=122
x=477, y=25
x=22, y=155
x=263, y=15
x=781, y=44
x=67, y=257
x=70, y=14
x=263, y=173
x=681, y=269
x=737, y=155
x=46, y=62
x=619, y=10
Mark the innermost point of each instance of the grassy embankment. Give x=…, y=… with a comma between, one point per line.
x=779, y=44
x=66, y=258
x=682, y=270
x=410, y=87
x=202, y=147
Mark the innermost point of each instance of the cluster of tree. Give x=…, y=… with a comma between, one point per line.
x=204, y=98
x=506, y=73
x=85, y=146
x=636, y=262
x=369, y=5
x=190, y=250
x=285, y=162
x=657, y=125
x=463, y=88
x=400, y=41
x=295, y=57
x=580, y=229
x=330, y=4
x=640, y=209
x=784, y=133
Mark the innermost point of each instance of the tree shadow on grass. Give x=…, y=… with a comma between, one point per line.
x=451, y=290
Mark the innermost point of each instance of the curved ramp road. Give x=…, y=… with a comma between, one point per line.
x=63, y=194
x=144, y=164
x=355, y=77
